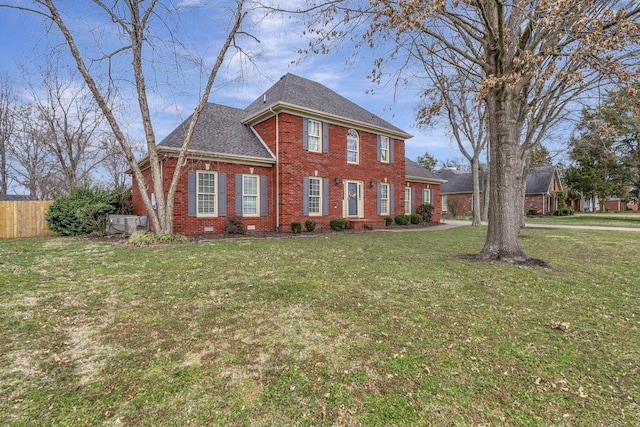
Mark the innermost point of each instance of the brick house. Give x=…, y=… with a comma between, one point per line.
x=542, y=185
x=299, y=152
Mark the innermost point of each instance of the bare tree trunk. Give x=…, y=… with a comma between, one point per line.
x=475, y=176
x=486, y=186
x=506, y=168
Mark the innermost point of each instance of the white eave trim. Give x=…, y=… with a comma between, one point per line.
x=165, y=152
x=308, y=112
x=425, y=180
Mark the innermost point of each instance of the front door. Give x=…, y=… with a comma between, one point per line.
x=353, y=199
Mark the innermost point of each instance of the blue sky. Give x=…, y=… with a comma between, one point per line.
x=26, y=41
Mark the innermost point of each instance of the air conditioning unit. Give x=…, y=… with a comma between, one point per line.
x=124, y=224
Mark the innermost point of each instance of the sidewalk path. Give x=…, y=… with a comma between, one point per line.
x=459, y=223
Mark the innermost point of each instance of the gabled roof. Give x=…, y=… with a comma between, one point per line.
x=457, y=181
x=415, y=172
x=296, y=92
x=539, y=180
x=219, y=131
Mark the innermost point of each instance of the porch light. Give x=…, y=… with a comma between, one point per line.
x=371, y=183
x=337, y=180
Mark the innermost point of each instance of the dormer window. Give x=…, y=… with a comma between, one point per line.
x=353, y=147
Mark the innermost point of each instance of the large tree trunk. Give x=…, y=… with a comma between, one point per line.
x=475, y=176
x=506, y=174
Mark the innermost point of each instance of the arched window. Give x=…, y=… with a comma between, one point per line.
x=353, y=146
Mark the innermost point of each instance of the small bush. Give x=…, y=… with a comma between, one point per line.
x=95, y=216
x=564, y=212
x=310, y=225
x=426, y=211
x=296, y=227
x=338, y=224
x=234, y=226
x=146, y=238
x=532, y=212
x=415, y=219
x=402, y=219
x=388, y=220
x=82, y=211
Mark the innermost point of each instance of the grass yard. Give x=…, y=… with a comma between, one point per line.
x=613, y=219
x=374, y=329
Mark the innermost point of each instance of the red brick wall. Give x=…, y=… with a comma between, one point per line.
x=183, y=224
x=295, y=164
x=436, y=201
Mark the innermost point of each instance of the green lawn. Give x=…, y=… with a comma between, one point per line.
x=372, y=329
x=617, y=219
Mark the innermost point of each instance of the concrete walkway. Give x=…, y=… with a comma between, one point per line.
x=449, y=223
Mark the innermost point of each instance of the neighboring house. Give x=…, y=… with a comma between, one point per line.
x=13, y=198
x=299, y=152
x=612, y=204
x=542, y=185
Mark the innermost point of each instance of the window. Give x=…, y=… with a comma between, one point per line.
x=444, y=203
x=315, y=196
x=206, y=194
x=384, y=199
x=426, y=196
x=250, y=192
x=384, y=149
x=353, y=142
x=314, y=136
x=407, y=201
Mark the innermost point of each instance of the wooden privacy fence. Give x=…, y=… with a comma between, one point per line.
x=24, y=219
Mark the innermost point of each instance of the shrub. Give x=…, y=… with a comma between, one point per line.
x=145, y=238
x=564, y=212
x=96, y=216
x=338, y=224
x=83, y=210
x=426, y=211
x=310, y=225
x=388, y=220
x=402, y=219
x=296, y=227
x=532, y=212
x=234, y=226
x=415, y=219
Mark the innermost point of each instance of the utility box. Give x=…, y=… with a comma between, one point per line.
x=125, y=224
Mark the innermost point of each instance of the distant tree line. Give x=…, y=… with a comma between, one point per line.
x=53, y=138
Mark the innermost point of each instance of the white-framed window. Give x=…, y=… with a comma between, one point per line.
x=250, y=195
x=384, y=199
x=444, y=203
x=384, y=149
x=407, y=201
x=206, y=192
x=315, y=196
x=426, y=196
x=314, y=129
x=353, y=146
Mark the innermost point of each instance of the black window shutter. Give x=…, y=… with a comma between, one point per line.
x=222, y=194
x=305, y=133
x=264, y=182
x=191, y=191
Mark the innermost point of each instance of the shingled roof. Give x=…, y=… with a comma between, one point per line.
x=304, y=93
x=415, y=170
x=538, y=180
x=220, y=130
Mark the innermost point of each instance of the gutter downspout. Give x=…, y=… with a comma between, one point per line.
x=277, y=169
